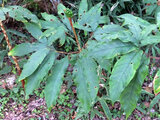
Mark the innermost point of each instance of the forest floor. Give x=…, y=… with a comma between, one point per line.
x=14, y=106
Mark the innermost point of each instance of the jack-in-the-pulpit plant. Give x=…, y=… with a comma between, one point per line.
x=119, y=49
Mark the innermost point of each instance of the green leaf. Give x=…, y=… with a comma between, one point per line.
x=158, y=19
x=156, y=83
x=104, y=19
x=2, y=54
x=48, y=17
x=90, y=20
x=3, y=17
x=152, y=39
x=136, y=32
x=54, y=34
x=107, y=32
x=123, y=72
x=1, y=37
x=148, y=30
x=26, y=48
x=55, y=81
x=61, y=8
x=5, y=70
x=154, y=101
x=106, y=109
x=34, y=29
x=34, y=80
x=20, y=14
x=133, y=20
x=32, y=64
x=87, y=81
x=83, y=8
x=3, y=91
x=105, y=63
x=107, y=50
x=131, y=93
x=16, y=33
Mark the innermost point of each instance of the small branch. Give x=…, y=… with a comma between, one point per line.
x=79, y=47
x=151, y=57
x=10, y=48
x=157, y=58
x=68, y=52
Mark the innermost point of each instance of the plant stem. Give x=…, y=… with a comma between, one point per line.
x=3, y=3
x=79, y=47
x=67, y=52
x=10, y=48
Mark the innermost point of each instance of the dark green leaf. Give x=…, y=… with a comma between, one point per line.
x=1, y=37
x=123, y=72
x=2, y=54
x=3, y=17
x=154, y=101
x=32, y=64
x=48, y=17
x=5, y=70
x=107, y=50
x=55, y=81
x=131, y=93
x=83, y=8
x=107, y=32
x=17, y=33
x=26, y=48
x=19, y=13
x=34, y=29
x=34, y=80
x=106, y=109
x=90, y=20
x=153, y=39
x=61, y=8
x=133, y=20
x=87, y=81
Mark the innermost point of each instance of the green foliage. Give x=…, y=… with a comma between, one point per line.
x=131, y=93
x=124, y=44
x=87, y=81
x=123, y=72
x=156, y=83
x=106, y=109
x=54, y=82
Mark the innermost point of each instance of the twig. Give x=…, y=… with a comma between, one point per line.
x=70, y=20
x=157, y=58
x=68, y=52
x=10, y=48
